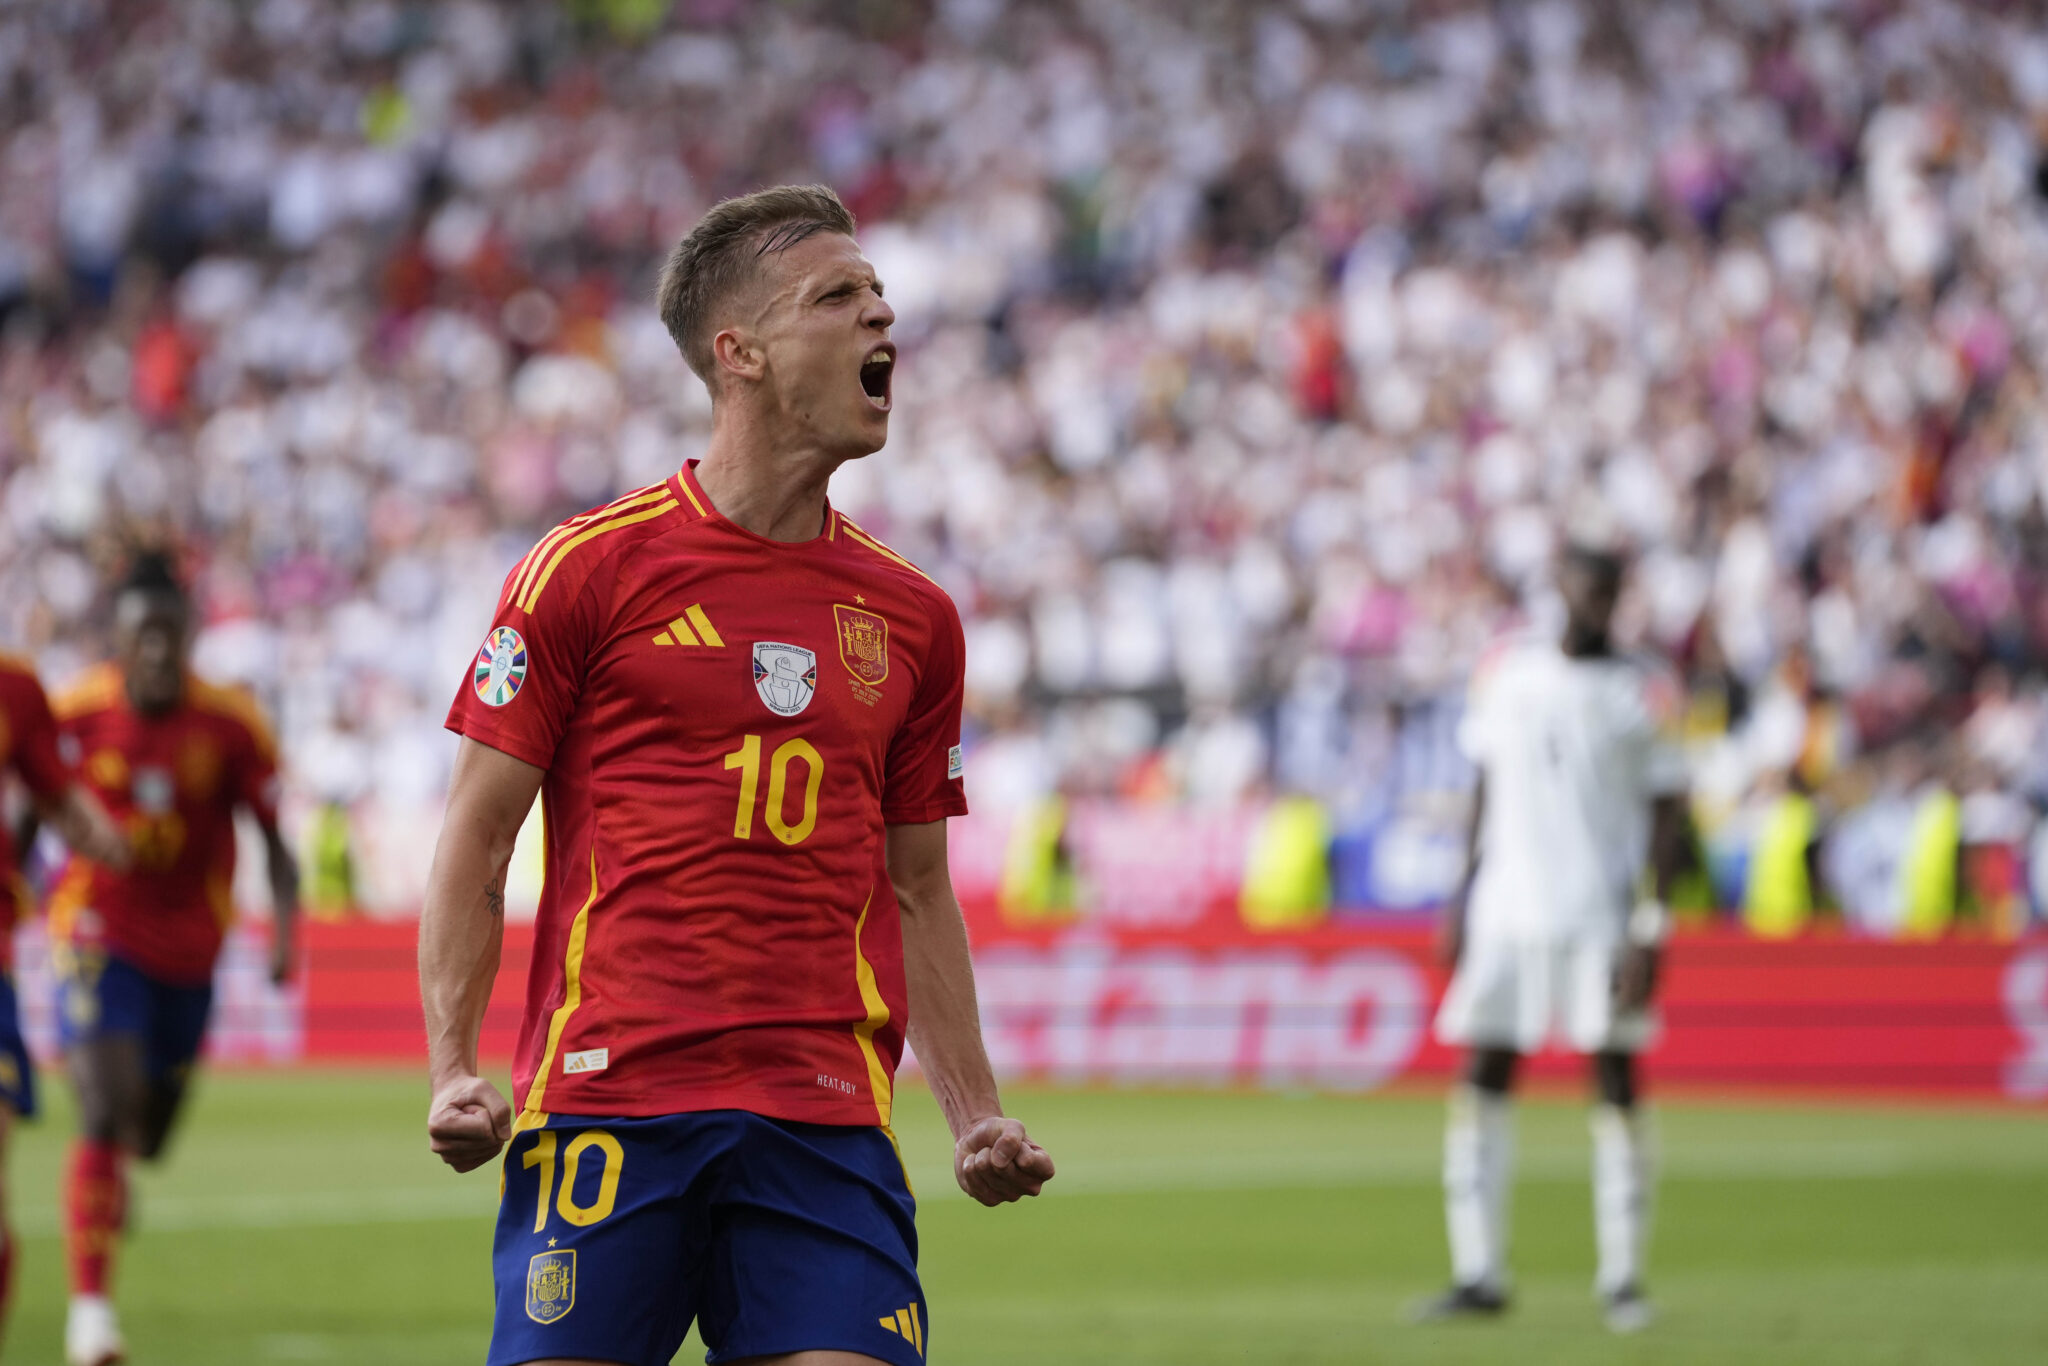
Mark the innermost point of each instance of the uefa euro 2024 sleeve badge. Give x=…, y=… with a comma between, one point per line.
x=785, y=676
x=500, y=667
x=551, y=1285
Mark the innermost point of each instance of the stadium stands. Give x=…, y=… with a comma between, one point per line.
x=1256, y=358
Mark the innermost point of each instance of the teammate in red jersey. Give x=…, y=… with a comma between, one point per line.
x=744, y=712
x=28, y=749
x=172, y=757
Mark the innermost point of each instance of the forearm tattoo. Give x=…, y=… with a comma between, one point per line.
x=494, y=896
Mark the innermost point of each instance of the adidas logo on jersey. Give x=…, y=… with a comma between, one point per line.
x=679, y=631
x=906, y=1324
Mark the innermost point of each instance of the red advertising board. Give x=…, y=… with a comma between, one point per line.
x=1349, y=1007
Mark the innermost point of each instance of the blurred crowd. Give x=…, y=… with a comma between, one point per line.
x=1257, y=357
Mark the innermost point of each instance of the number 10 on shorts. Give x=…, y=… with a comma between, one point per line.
x=542, y=1155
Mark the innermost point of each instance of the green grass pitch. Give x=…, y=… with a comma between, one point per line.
x=300, y=1219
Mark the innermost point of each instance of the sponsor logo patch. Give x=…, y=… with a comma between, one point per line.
x=692, y=628
x=785, y=676
x=589, y=1060
x=500, y=667
x=907, y=1323
x=550, y=1285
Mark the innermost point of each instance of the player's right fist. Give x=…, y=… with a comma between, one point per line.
x=467, y=1122
x=996, y=1162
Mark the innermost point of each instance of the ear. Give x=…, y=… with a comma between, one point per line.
x=735, y=354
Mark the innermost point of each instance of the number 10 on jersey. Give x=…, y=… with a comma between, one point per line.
x=747, y=759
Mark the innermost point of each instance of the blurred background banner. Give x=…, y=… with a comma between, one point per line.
x=1336, y=1008
x=1256, y=360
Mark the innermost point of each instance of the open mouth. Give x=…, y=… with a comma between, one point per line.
x=875, y=373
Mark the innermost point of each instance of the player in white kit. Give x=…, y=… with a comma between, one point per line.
x=1580, y=784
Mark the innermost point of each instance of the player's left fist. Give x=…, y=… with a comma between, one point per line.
x=468, y=1121
x=996, y=1162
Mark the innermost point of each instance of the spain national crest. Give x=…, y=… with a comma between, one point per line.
x=550, y=1285
x=500, y=667
x=785, y=676
x=863, y=643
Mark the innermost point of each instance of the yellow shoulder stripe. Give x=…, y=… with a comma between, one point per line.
x=882, y=550
x=237, y=705
x=97, y=690
x=561, y=553
x=530, y=566
x=683, y=481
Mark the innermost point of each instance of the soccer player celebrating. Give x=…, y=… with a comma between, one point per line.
x=172, y=757
x=1578, y=781
x=744, y=714
x=28, y=748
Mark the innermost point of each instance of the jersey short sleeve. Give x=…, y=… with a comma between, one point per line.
x=922, y=779
x=523, y=683
x=30, y=739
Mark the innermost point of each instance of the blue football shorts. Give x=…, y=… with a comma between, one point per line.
x=99, y=994
x=17, y=1074
x=772, y=1236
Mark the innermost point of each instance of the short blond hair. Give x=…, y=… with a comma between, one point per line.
x=721, y=255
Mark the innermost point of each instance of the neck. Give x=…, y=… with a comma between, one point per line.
x=162, y=707
x=1586, y=644
x=771, y=487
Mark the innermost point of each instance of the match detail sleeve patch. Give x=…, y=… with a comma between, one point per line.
x=954, y=765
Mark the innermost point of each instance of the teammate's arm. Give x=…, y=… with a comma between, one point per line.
x=462, y=927
x=1451, y=931
x=284, y=902
x=994, y=1160
x=84, y=826
x=58, y=798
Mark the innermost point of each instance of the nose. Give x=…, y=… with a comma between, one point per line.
x=879, y=315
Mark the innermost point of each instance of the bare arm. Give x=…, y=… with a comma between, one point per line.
x=1668, y=852
x=462, y=926
x=993, y=1159
x=1451, y=933
x=284, y=904
x=84, y=826
x=1636, y=981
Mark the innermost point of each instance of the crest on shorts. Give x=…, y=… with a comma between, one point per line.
x=785, y=676
x=863, y=643
x=551, y=1285
x=500, y=667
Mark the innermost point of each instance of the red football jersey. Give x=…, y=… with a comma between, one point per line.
x=727, y=723
x=172, y=783
x=28, y=745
